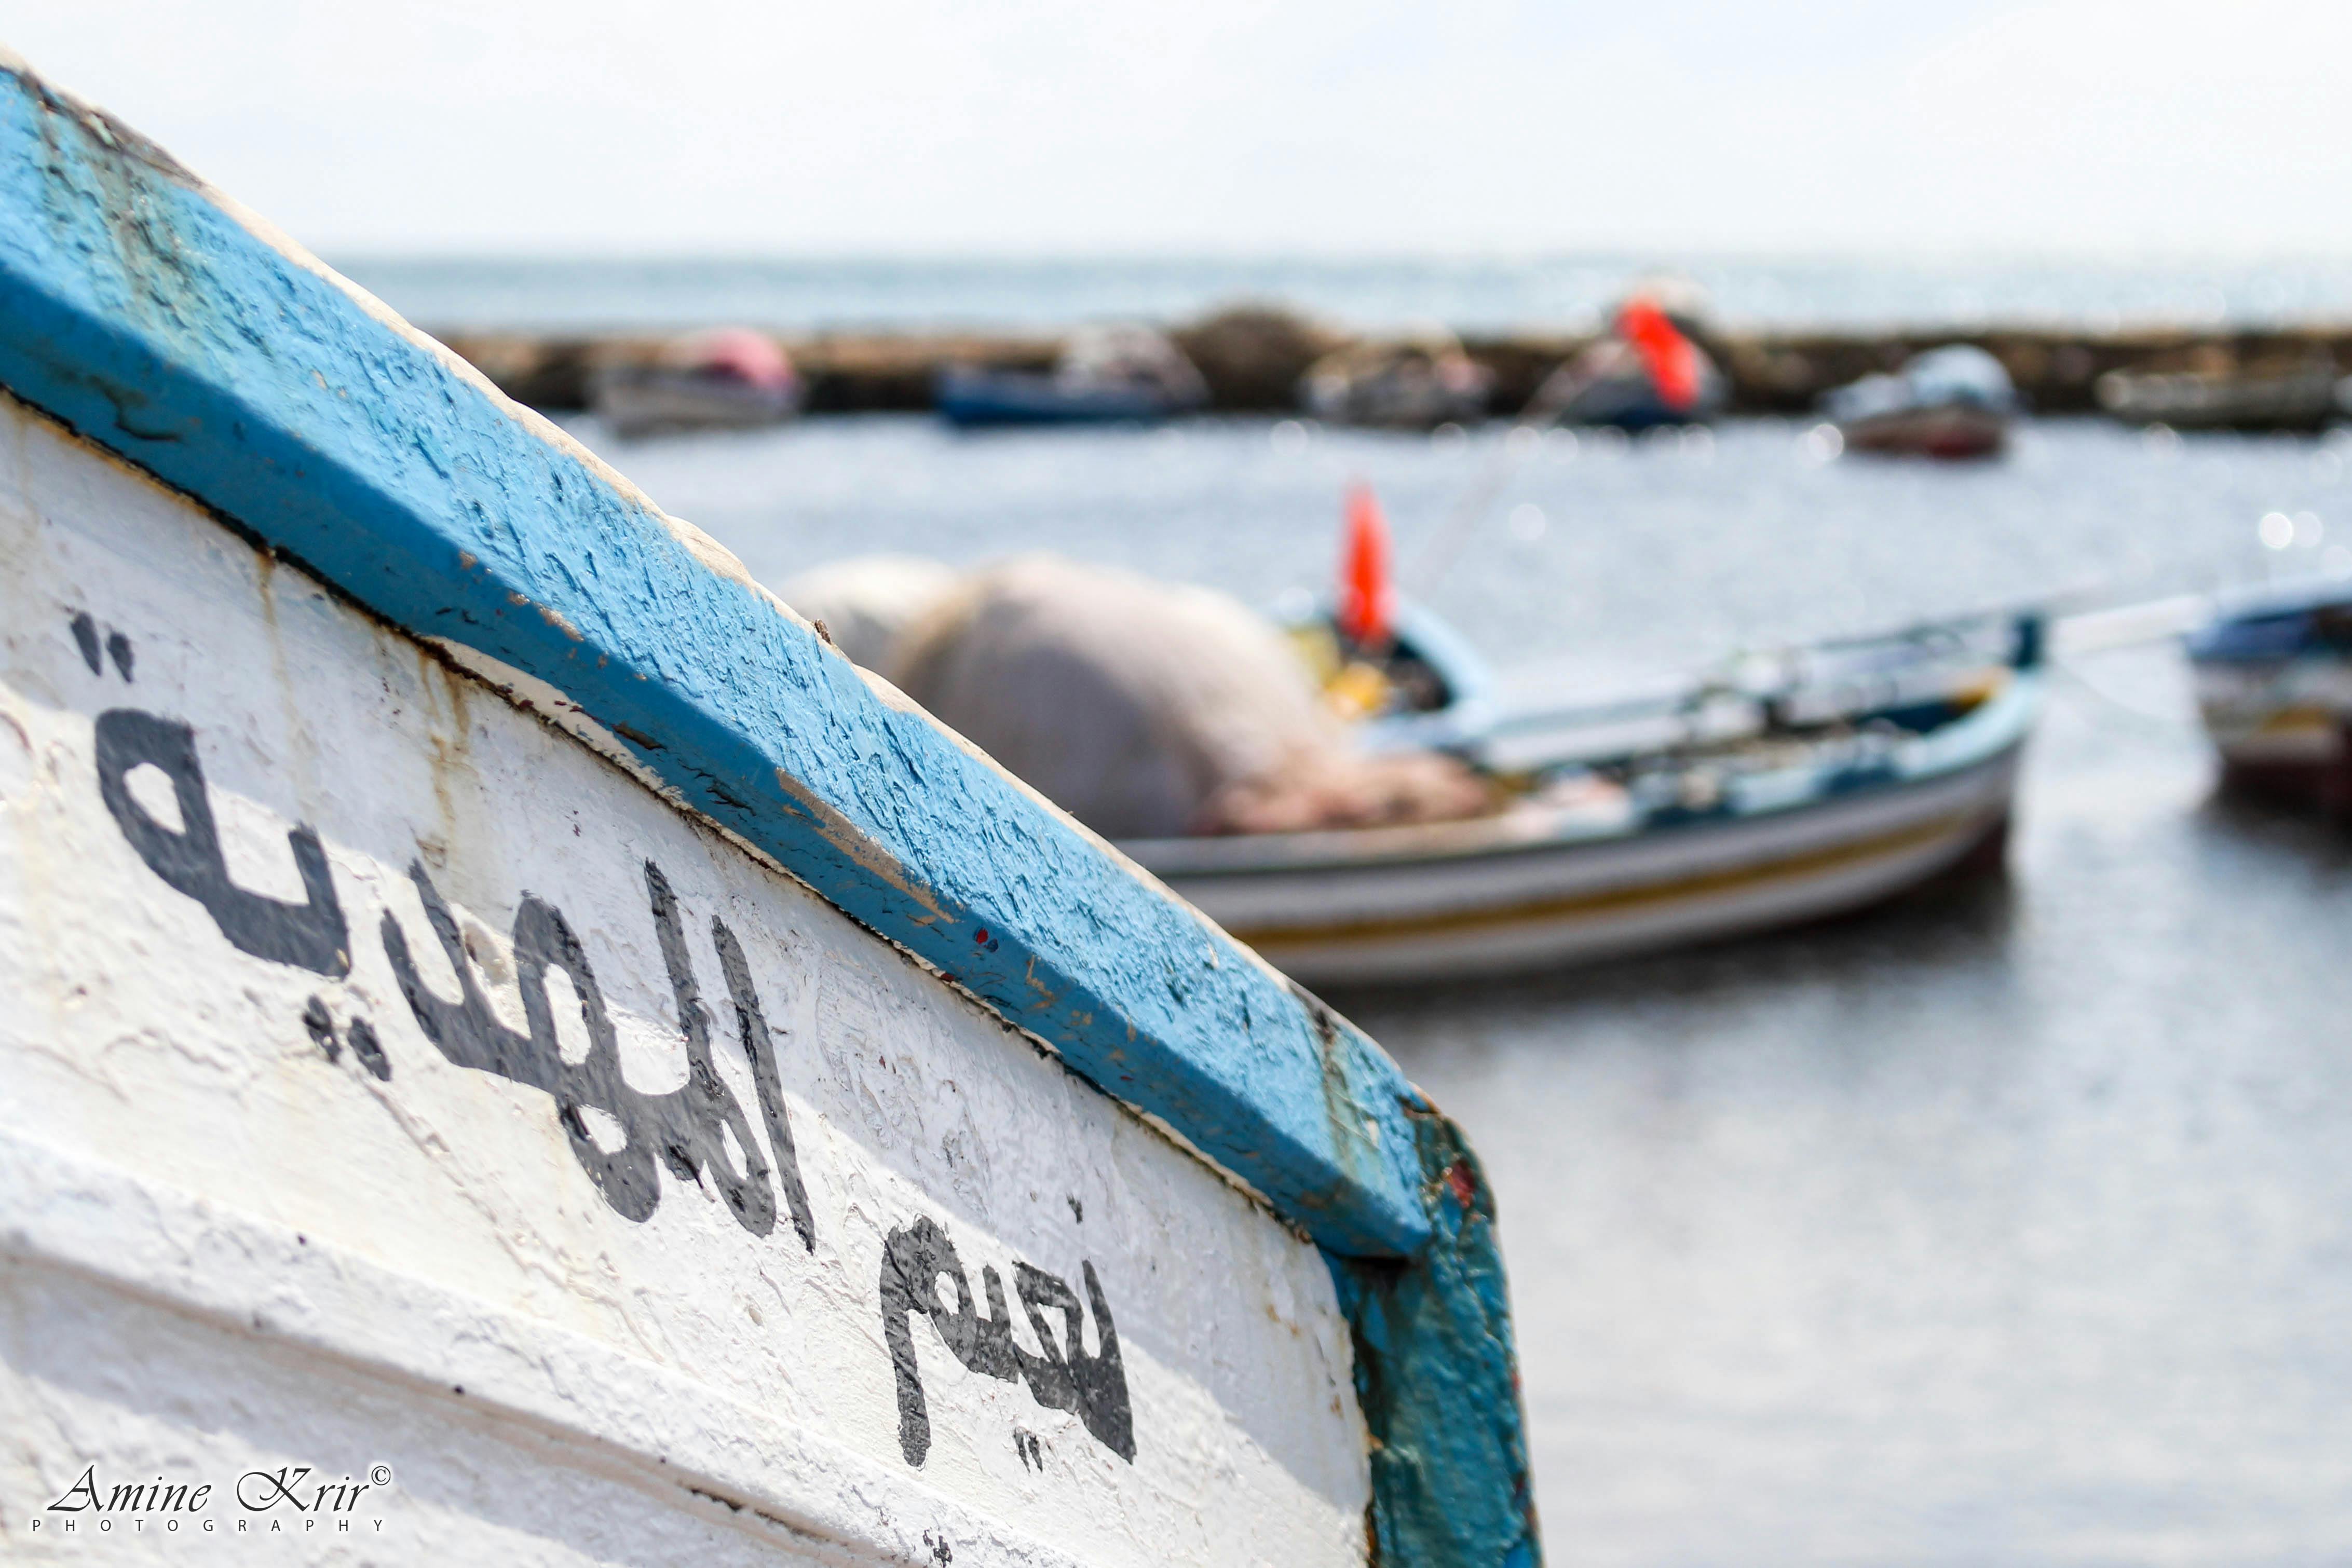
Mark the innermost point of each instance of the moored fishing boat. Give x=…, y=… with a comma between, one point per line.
x=1413, y=383
x=1106, y=375
x=2303, y=397
x=1948, y=403
x=2273, y=674
x=1800, y=786
x=732, y=378
x=1647, y=372
x=519, y=1051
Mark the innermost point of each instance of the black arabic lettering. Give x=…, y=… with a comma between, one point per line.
x=698, y=1138
x=1062, y=1376
x=310, y=934
x=760, y=1050
x=687, y=1129
x=1093, y=1385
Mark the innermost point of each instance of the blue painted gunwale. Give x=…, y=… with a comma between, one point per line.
x=149, y=316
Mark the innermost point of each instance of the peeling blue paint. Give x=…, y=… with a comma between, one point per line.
x=1438, y=1380
x=139, y=312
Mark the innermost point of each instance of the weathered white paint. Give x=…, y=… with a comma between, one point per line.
x=220, y=1250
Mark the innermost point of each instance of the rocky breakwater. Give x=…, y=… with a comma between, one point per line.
x=1252, y=356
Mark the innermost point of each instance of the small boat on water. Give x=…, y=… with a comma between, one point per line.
x=733, y=379
x=1648, y=371
x=1362, y=801
x=1106, y=375
x=1413, y=383
x=2305, y=398
x=1785, y=789
x=1950, y=402
x=2273, y=674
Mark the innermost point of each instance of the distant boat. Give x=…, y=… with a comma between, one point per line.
x=1806, y=784
x=1648, y=371
x=730, y=380
x=1413, y=383
x=2274, y=686
x=1953, y=402
x=2302, y=399
x=1105, y=375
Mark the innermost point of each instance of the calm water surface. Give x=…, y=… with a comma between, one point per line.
x=1482, y=293
x=2008, y=1226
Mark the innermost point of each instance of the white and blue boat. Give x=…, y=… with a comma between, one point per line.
x=2273, y=678
x=1787, y=788
x=1950, y=402
x=517, y=1051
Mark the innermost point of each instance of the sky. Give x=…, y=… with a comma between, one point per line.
x=1034, y=127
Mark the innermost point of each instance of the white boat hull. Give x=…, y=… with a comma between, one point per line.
x=2283, y=730
x=1950, y=431
x=1558, y=899
x=293, y=1174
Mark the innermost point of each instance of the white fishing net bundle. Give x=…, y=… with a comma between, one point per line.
x=1145, y=709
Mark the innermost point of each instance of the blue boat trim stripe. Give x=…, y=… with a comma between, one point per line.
x=158, y=321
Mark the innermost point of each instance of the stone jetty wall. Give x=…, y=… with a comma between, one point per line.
x=1252, y=359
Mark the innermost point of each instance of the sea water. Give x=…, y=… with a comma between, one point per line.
x=2008, y=1226
x=1491, y=293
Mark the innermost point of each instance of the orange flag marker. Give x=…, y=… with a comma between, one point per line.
x=1670, y=358
x=1367, y=589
